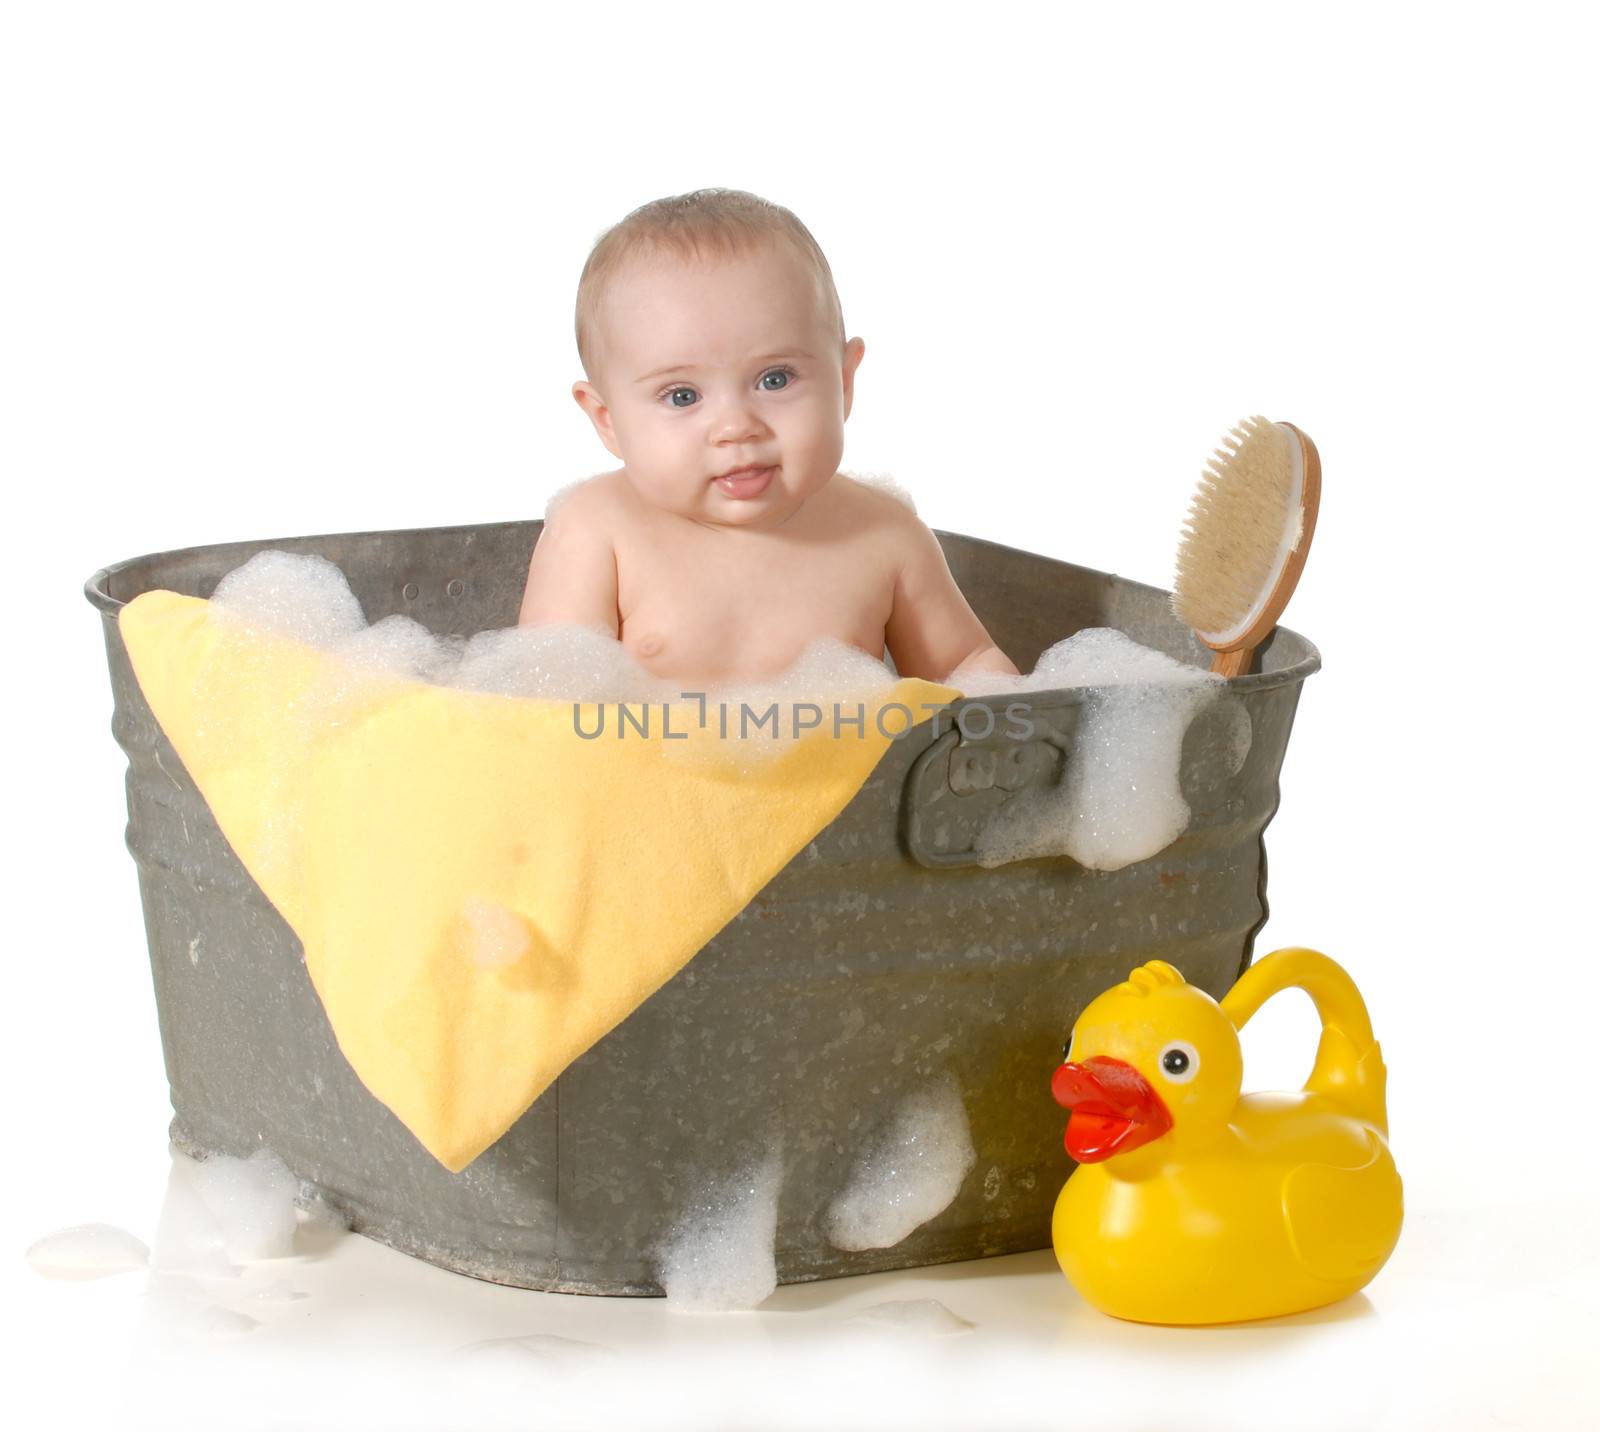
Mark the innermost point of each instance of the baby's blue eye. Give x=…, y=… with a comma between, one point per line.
x=674, y=393
x=780, y=374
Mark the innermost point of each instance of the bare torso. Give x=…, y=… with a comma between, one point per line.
x=709, y=604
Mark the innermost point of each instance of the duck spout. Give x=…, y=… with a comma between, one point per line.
x=1114, y=1109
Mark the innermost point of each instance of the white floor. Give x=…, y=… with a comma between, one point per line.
x=1481, y=1319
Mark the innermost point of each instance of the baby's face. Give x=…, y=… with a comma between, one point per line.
x=708, y=368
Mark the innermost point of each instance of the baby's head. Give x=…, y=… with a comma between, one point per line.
x=712, y=337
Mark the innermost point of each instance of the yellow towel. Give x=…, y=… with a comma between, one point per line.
x=481, y=892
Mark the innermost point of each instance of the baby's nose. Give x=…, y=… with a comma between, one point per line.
x=737, y=420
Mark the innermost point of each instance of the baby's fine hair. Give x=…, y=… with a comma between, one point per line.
x=704, y=224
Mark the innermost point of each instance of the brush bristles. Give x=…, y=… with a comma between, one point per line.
x=1228, y=554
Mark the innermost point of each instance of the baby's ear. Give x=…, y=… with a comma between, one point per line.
x=853, y=351
x=589, y=399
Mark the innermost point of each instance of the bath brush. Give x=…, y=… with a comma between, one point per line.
x=1246, y=538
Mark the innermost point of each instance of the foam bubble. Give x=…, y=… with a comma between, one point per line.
x=562, y=493
x=188, y=1242
x=496, y=936
x=293, y=594
x=399, y=646
x=923, y=1317
x=885, y=484
x=88, y=1250
x=562, y=661
x=831, y=683
x=307, y=598
x=533, y=1358
x=720, y=1255
x=281, y=1290
x=252, y=1202
x=909, y=1174
x=1119, y=798
x=184, y=1316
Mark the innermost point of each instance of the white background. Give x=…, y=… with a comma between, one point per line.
x=279, y=269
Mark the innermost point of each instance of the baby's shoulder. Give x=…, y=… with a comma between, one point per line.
x=879, y=510
x=878, y=492
x=590, y=501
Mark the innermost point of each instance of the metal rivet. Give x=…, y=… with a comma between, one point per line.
x=409, y=591
x=456, y=587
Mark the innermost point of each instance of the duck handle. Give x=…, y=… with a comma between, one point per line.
x=1349, y=1065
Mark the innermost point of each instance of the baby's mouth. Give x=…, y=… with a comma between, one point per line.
x=745, y=482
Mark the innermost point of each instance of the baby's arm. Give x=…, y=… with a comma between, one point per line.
x=572, y=576
x=932, y=632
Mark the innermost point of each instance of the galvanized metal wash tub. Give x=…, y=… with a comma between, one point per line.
x=881, y=956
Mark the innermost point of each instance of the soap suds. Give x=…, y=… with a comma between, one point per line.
x=220, y=1212
x=921, y=1317
x=831, y=684
x=252, y=1202
x=307, y=598
x=88, y=1250
x=188, y=1241
x=497, y=936
x=299, y=596
x=910, y=1172
x=1119, y=799
x=885, y=484
x=280, y=1290
x=829, y=688
x=720, y=1255
x=184, y=1314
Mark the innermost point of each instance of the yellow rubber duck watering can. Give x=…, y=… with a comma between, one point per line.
x=1194, y=1204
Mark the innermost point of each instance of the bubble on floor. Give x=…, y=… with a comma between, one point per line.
x=1119, y=798
x=281, y=1290
x=220, y=1212
x=922, y=1317
x=496, y=936
x=252, y=1201
x=531, y=1358
x=188, y=1242
x=719, y=1257
x=909, y=1172
x=87, y=1250
x=179, y=1314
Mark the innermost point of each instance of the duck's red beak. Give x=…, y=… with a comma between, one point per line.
x=1114, y=1109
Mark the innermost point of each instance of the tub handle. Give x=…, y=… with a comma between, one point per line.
x=960, y=781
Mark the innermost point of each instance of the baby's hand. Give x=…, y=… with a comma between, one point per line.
x=572, y=576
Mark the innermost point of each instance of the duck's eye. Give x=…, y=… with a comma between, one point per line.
x=1180, y=1061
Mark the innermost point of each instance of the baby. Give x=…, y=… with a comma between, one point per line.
x=719, y=374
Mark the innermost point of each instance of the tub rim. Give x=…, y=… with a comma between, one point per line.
x=96, y=590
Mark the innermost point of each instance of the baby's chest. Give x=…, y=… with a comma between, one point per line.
x=750, y=614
